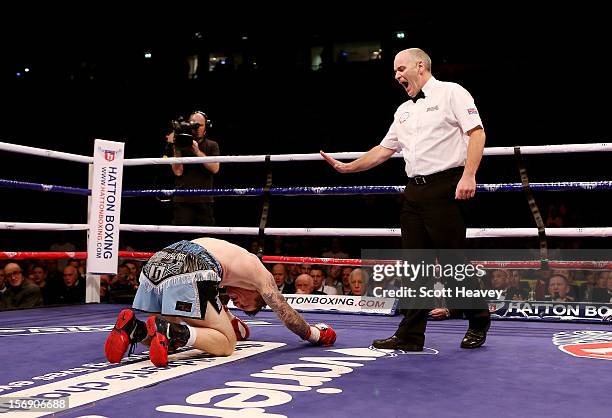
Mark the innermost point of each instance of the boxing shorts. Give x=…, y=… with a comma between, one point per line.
x=179, y=281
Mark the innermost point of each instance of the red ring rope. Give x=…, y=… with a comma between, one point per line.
x=559, y=265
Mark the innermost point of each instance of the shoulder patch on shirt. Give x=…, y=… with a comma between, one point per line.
x=472, y=111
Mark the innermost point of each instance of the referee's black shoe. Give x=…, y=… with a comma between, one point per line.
x=476, y=336
x=394, y=343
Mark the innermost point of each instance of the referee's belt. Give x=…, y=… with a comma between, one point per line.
x=420, y=180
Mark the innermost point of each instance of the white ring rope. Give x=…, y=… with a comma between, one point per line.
x=530, y=149
x=26, y=226
x=345, y=232
x=22, y=149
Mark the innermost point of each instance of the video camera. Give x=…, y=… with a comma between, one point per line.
x=184, y=132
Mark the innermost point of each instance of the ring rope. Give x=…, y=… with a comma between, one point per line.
x=22, y=149
x=537, y=149
x=342, y=232
x=141, y=255
x=13, y=184
x=347, y=190
x=308, y=190
x=532, y=149
x=64, y=255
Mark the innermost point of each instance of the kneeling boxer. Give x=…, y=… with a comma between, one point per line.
x=181, y=283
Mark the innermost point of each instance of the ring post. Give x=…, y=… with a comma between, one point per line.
x=104, y=214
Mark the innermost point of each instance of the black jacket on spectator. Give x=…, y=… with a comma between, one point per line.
x=73, y=294
x=288, y=289
x=52, y=293
x=601, y=295
x=27, y=295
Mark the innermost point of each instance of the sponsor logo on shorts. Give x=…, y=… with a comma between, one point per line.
x=183, y=306
x=586, y=344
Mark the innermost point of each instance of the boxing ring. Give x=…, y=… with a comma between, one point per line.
x=533, y=368
x=525, y=369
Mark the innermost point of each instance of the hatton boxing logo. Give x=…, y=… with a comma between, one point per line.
x=587, y=344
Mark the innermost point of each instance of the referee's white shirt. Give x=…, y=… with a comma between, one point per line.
x=432, y=133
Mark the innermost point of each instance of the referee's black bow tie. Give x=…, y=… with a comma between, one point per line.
x=420, y=95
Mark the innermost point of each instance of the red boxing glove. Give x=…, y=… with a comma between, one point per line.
x=240, y=328
x=321, y=334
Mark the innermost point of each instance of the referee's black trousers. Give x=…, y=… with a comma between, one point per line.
x=431, y=218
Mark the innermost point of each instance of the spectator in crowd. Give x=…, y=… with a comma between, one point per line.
x=602, y=279
x=73, y=290
x=3, y=288
x=346, y=285
x=586, y=288
x=558, y=289
x=105, y=280
x=50, y=290
x=279, y=271
x=294, y=272
x=604, y=295
x=54, y=274
x=134, y=270
x=123, y=280
x=79, y=265
x=574, y=290
x=501, y=280
x=318, y=276
x=21, y=293
x=194, y=210
x=304, y=285
x=334, y=278
x=305, y=268
x=358, y=281
x=516, y=282
x=123, y=286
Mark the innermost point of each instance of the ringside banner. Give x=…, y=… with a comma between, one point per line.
x=339, y=303
x=549, y=310
x=105, y=208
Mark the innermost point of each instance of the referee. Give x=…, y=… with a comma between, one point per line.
x=440, y=134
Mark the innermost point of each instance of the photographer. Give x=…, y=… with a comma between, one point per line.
x=188, y=139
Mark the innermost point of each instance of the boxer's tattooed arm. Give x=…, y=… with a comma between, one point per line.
x=290, y=317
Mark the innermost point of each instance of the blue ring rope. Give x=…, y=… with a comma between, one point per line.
x=12, y=184
x=304, y=191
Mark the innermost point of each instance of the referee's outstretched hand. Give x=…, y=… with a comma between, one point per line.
x=338, y=165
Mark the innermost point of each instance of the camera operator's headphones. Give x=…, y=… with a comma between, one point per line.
x=208, y=123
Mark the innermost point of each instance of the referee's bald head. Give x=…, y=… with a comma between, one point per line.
x=415, y=55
